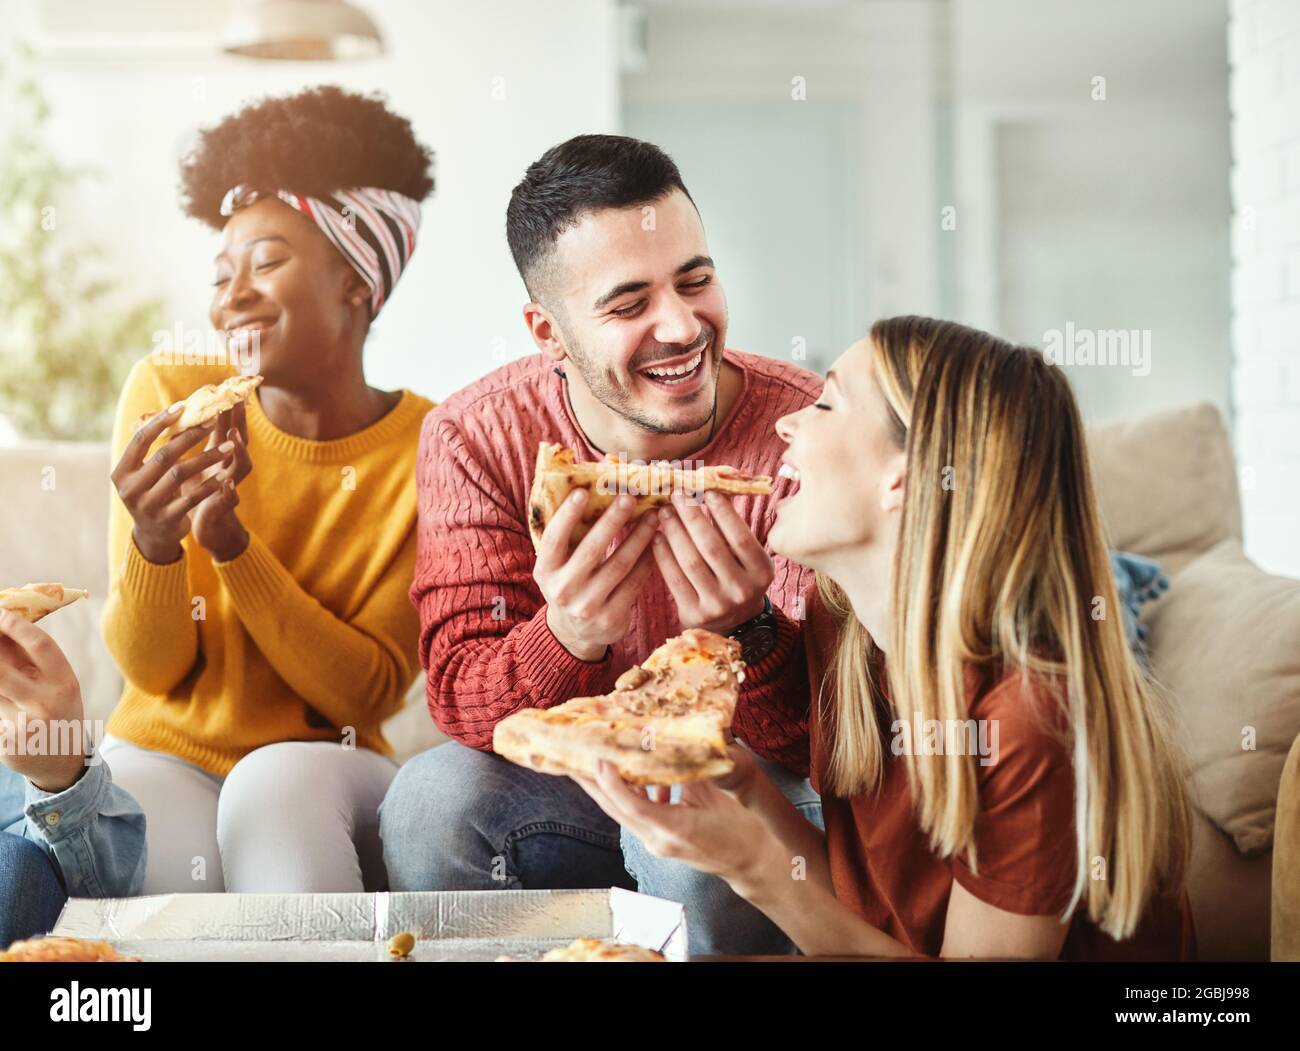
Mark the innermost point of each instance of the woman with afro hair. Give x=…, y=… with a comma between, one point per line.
x=260, y=564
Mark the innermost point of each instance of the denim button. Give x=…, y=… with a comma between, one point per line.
x=53, y=817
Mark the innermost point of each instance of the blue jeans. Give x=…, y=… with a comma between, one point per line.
x=718, y=921
x=31, y=891
x=456, y=818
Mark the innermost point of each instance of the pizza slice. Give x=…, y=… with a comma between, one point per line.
x=209, y=402
x=602, y=950
x=34, y=601
x=63, y=950
x=653, y=484
x=663, y=724
x=212, y=399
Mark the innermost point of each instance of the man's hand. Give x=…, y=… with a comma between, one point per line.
x=37, y=681
x=716, y=570
x=216, y=526
x=591, y=592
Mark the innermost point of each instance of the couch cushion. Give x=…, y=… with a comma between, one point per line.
x=1166, y=483
x=412, y=730
x=1230, y=896
x=55, y=523
x=54, y=519
x=1223, y=641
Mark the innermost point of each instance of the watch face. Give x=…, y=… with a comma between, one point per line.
x=757, y=643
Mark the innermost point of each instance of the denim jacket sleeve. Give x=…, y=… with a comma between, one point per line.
x=94, y=830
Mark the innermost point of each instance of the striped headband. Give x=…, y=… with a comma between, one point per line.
x=374, y=229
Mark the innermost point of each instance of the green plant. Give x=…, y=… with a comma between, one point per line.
x=66, y=340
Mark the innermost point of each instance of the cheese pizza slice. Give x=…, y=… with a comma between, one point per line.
x=208, y=402
x=212, y=399
x=63, y=950
x=34, y=601
x=653, y=484
x=662, y=725
x=602, y=950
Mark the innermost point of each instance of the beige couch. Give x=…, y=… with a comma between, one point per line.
x=1168, y=488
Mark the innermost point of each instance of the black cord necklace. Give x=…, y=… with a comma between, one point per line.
x=713, y=416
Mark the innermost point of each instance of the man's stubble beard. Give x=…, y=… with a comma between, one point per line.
x=605, y=388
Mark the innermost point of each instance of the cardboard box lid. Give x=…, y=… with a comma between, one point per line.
x=452, y=925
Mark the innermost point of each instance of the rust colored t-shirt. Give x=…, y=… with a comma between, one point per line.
x=884, y=869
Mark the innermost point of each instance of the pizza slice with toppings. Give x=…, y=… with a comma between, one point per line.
x=209, y=402
x=653, y=484
x=34, y=601
x=663, y=724
x=602, y=950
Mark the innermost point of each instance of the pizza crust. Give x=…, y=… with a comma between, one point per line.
x=557, y=474
x=549, y=747
x=662, y=725
x=207, y=403
x=32, y=602
x=602, y=950
x=63, y=950
x=212, y=399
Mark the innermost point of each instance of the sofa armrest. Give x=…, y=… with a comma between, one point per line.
x=1286, y=861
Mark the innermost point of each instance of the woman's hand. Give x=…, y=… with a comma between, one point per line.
x=37, y=683
x=711, y=829
x=216, y=526
x=159, y=492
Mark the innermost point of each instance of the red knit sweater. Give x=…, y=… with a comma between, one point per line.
x=484, y=640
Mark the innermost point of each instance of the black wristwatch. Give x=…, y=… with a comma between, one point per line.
x=757, y=636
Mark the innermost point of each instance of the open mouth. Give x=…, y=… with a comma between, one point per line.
x=791, y=474
x=679, y=375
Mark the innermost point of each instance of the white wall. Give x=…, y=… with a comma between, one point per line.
x=1105, y=215
x=821, y=211
x=1120, y=224
x=1265, y=54
x=456, y=313
x=1101, y=212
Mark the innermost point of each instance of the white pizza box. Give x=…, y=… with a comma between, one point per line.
x=448, y=925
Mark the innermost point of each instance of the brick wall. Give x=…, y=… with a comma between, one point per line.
x=1264, y=53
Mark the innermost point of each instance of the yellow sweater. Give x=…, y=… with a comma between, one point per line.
x=309, y=635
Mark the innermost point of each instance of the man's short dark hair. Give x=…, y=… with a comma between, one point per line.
x=584, y=174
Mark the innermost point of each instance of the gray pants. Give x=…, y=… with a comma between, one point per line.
x=294, y=817
x=460, y=819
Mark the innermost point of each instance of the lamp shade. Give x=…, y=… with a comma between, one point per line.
x=301, y=31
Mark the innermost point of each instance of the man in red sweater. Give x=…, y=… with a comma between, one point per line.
x=628, y=313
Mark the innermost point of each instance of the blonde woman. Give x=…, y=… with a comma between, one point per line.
x=998, y=779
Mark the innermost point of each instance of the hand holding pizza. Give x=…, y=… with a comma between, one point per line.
x=589, y=597
x=159, y=491
x=714, y=566
x=710, y=828
x=216, y=526
x=37, y=681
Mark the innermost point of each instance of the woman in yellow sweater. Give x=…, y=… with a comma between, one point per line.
x=259, y=568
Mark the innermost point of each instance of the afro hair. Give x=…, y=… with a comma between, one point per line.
x=313, y=143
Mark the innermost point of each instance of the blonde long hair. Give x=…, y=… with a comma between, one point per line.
x=1002, y=562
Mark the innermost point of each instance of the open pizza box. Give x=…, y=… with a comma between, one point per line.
x=449, y=925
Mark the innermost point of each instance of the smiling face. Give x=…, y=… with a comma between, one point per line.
x=850, y=465
x=640, y=313
x=277, y=275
